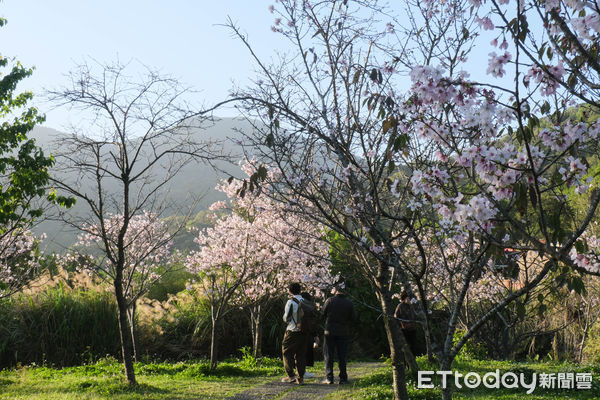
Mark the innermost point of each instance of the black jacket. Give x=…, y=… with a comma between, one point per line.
x=338, y=312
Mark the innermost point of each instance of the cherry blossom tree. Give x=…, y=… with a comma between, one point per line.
x=298, y=252
x=134, y=136
x=146, y=251
x=500, y=174
x=19, y=260
x=487, y=163
x=249, y=257
x=326, y=123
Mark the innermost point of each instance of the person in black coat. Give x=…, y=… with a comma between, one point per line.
x=338, y=312
x=312, y=338
x=406, y=316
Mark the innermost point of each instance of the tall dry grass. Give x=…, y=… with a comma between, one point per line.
x=58, y=326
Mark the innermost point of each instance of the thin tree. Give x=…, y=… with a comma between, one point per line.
x=139, y=133
x=147, y=247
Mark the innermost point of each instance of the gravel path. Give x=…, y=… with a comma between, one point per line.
x=311, y=390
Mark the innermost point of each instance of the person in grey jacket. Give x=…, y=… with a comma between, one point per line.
x=338, y=312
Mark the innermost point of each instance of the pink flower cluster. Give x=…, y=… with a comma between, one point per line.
x=17, y=259
x=589, y=260
x=147, y=245
x=261, y=246
x=549, y=79
x=496, y=64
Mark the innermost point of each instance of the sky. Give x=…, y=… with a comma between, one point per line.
x=181, y=38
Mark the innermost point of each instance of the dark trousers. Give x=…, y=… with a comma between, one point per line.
x=310, y=354
x=331, y=344
x=411, y=338
x=293, y=349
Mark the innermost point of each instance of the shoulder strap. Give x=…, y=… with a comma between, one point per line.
x=295, y=300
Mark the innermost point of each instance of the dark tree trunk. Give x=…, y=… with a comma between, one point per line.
x=213, y=340
x=134, y=338
x=256, y=322
x=124, y=329
x=428, y=345
x=399, y=350
x=446, y=365
x=426, y=323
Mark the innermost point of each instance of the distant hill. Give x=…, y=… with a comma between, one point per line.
x=194, y=179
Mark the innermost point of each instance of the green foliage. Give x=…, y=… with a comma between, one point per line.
x=171, y=283
x=64, y=327
x=248, y=359
x=471, y=350
x=58, y=327
x=592, y=349
x=23, y=165
x=184, y=330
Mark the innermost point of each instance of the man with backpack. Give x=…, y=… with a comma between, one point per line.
x=293, y=348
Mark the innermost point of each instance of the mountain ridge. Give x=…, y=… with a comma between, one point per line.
x=192, y=180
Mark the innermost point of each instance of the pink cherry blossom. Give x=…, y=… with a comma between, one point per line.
x=496, y=64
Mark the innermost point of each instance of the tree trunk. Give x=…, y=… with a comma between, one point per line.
x=446, y=365
x=426, y=323
x=213, y=340
x=428, y=346
x=256, y=321
x=531, y=351
x=584, y=337
x=124, y=329
x=132, y=324
x=398, y=349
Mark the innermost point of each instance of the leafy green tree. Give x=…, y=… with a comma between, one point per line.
x=23, y=172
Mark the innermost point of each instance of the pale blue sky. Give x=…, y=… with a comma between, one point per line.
x=179, y=37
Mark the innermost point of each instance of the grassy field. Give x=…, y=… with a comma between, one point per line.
x=104, y=379
x=193, y=380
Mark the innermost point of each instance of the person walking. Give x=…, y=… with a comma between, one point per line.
x=293, y=347
x=338, y=312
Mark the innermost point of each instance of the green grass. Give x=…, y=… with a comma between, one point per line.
x=104, y=380
x=195, y=380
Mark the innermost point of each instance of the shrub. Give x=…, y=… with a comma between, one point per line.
x=58, y=326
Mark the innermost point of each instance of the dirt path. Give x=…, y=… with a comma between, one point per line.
x=311, y=390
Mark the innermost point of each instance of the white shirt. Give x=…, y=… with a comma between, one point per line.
x=291, y=307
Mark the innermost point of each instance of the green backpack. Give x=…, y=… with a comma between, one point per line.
x=307, y=317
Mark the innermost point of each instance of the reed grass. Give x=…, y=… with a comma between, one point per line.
x=58, y=326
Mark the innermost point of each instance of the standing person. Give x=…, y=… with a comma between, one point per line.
x=312, y=338
x=293, y=347
x=338, y=312
x=407, y=317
